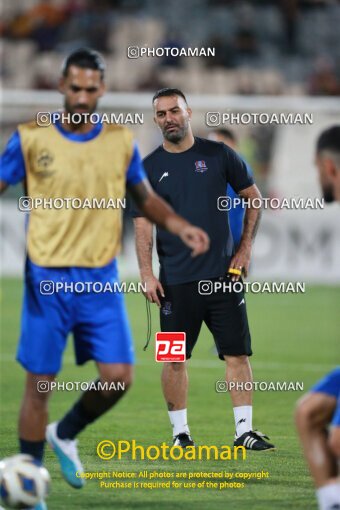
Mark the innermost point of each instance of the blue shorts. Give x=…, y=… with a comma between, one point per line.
x=98, y=321
x=330, y=385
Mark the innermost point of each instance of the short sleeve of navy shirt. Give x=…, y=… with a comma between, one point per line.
x=191, y=182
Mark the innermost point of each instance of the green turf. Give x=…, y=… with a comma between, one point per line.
x=294, y=338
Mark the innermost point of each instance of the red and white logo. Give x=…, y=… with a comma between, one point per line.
x=170, y=346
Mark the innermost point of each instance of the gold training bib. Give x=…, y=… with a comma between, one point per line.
x=60, y=168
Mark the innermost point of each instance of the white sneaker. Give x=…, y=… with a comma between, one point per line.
x=67, y=453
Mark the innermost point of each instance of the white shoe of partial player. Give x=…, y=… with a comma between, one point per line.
x=67, y=453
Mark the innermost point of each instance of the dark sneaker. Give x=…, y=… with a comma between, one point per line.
x=254, y=440
x=183, y=440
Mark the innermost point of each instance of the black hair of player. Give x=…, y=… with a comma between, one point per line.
x=85, y=58
x=167, y=92
x=329, y=140
x=227, y=133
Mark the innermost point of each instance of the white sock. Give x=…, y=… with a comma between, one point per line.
x=243, y=419
x=328, y=495
x=179, y=422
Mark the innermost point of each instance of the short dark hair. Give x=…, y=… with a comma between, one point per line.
x=329, y=140
x=86, y=58
x=226, y=132
x=168, y=91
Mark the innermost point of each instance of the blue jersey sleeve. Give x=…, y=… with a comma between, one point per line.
x=236, y=213
x=12, y=164
x=136, y=171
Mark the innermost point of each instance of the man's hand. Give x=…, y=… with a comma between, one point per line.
x=196, y=239
x=241, y=261
x=152, y=286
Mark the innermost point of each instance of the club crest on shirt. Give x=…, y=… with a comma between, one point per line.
x=166, y=310
x=200, y=166
x=43, y=162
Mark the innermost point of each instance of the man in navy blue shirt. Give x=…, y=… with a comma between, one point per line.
x=191, y=173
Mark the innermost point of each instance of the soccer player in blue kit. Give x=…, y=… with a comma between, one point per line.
x=191, y=173
x=81, y=160
x=318, y=412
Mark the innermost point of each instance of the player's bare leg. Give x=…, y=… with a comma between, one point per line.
x=34, y=414
x=175, y=385
x=238, y=371
x=175, y=390
x=334, y=442
x=115, y=379
x=34, y=408
x=334, y=445
x=313, y=413
x=115, y=373
x=93, y=403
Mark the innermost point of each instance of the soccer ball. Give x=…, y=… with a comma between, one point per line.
x=23, y=482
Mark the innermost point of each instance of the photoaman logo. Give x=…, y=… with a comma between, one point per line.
x=107, y=450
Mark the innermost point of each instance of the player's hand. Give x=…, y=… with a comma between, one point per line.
x=153, y=287
x=196, y=239
x=241, y=261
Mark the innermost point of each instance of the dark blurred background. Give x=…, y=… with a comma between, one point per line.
x=262, y=46
x=271, y=56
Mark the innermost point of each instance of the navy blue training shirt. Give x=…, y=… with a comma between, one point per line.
x=191, y=182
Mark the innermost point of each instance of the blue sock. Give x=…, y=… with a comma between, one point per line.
x=34, y=448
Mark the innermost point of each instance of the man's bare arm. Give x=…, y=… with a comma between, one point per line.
x=252, y=215
x=241, y=259
x=144, y=245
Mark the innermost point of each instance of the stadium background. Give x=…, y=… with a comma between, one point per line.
x=271, y=56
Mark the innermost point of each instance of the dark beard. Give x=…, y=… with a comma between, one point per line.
x=84, y=117
x=175, y=137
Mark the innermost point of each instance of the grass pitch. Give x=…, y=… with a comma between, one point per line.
x=294, y=339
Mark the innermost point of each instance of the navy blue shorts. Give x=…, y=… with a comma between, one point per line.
x=184, y=308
